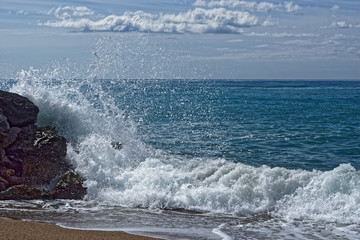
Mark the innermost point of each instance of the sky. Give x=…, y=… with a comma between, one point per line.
x=196, y=39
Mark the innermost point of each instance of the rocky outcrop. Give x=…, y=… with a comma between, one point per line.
x=32, y=159
x=18, y=110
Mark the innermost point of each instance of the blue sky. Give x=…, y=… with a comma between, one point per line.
x=184, y=38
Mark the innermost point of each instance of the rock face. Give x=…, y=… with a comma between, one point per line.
x=32, y=159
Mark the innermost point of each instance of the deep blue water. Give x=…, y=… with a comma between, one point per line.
x=291, y=124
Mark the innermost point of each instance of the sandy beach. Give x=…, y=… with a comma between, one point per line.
x=15, y=230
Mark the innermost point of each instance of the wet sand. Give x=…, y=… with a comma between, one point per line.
x=15, y=230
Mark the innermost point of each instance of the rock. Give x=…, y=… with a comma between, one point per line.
x=8, y=137
x=2, y=186
x=4, y=124
x=69, y=186
x=6, y=172
x=4, y=180
x=24, y=192
x=47, y=157
x=3, y=158
x=24, y=141
x=18, y=109
x=116, y=145
x=33, y=159
x=14, y=180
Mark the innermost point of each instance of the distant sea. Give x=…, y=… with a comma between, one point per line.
x=204, y=159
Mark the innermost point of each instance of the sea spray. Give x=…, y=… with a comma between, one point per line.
x=89, y=120
x=332, y=196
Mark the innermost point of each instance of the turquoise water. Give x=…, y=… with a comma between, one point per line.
x=292, y=124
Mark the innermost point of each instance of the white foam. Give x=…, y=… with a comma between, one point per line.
x=218, y=231
x=333, y=196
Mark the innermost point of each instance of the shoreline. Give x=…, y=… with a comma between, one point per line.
x=16, y=229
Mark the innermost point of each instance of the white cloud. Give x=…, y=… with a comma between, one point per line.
x=269, y=22
x=289, y=7
x=199, y=20
x=265, y=6
x=233, y=4
x=200, y=3
x=340, y=24
x=68, y=12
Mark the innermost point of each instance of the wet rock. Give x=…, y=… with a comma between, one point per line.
x=24, y=141
x=33, y=159
x=14, y=180
x=6, y=172
x=4, y=180
x=47, y=156
x=2, y=186
x=3, y=158
x=8, y=137
x=4, y=124
x=24, y=192
x=18, y=109
x=69, y=186
x=116, y=145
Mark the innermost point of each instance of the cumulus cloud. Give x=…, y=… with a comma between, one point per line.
x=289, y=7
x=69, y=12
x=198, y=20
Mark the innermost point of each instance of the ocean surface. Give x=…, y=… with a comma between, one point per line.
x=203, y=159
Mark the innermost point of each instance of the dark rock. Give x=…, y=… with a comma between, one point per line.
x=14, y=180
x=4, y=180
x=2, y=186
x=46, y=160
x=6, y=172
x=3, y=158
x=4, y=124
x=69, y=186
x=24, y=141
x=116, y=145
x=18, y=109
x=33, y=159
x=8, y=137
x=23, y=192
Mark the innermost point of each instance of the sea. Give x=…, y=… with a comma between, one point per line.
x=202, y=159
